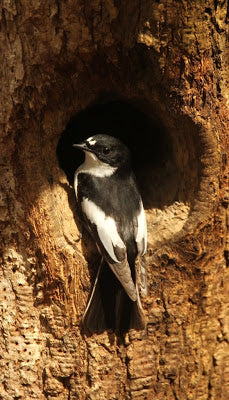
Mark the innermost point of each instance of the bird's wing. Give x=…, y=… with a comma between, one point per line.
x=141, y=231
x=141, y=240
x=110, y=244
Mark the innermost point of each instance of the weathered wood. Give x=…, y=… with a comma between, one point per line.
x=169, y=60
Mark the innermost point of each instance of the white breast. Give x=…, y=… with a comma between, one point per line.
x=93, y=166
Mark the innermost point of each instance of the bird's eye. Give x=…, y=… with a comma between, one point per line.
x=106, y=150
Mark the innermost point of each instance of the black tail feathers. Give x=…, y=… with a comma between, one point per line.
x=109, y=306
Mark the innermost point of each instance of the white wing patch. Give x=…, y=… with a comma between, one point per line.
x=106, y=227
x=141, y=236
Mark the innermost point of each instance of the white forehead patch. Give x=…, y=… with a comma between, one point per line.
x=91, y=141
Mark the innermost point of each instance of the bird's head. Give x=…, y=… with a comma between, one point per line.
x=106, y=149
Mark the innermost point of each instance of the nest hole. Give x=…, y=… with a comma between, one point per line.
x=164, y=157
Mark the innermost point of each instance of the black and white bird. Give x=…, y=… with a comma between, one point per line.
x=112, y=211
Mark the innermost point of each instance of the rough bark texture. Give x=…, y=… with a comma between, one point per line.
x=168, y=62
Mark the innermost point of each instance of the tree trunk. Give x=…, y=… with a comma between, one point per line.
x=154, y=74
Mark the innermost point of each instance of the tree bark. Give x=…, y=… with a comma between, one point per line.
x=167, y=63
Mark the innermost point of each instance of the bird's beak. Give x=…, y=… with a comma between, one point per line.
x=81, y=146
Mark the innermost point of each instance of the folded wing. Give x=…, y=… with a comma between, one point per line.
x=141, y=240
x=110, y=244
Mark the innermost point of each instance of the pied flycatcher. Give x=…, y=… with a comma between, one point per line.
x=112, y=211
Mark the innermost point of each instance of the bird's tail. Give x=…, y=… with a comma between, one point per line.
x=109, y=307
